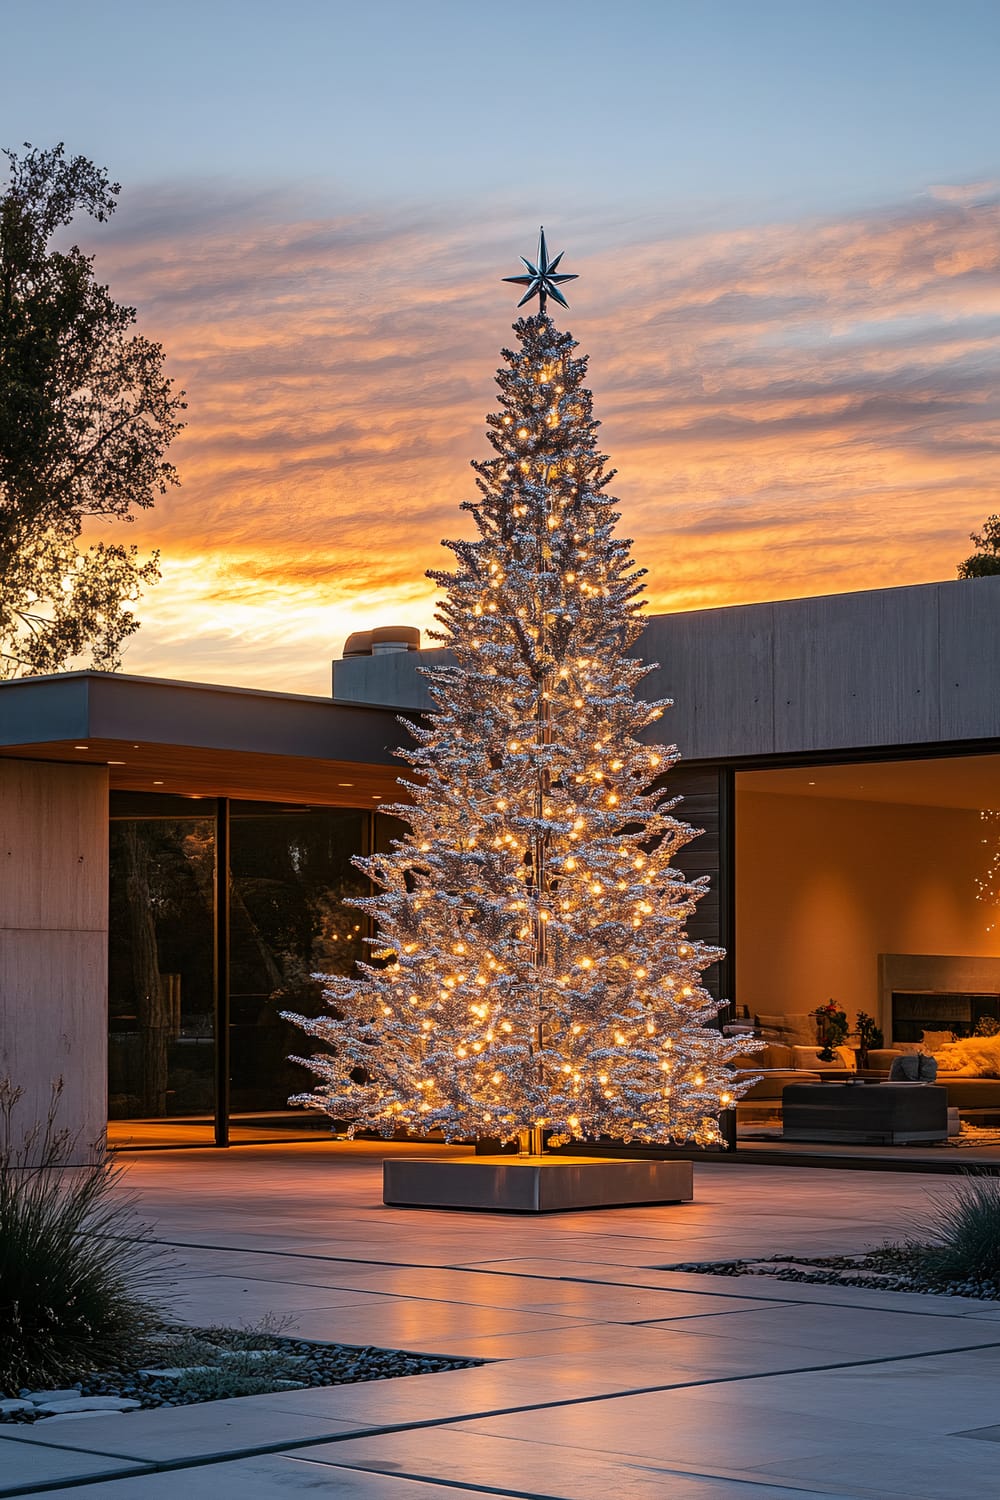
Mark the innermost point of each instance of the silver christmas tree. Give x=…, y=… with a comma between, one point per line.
x=530, y=969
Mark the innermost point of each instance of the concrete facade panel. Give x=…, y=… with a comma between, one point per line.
x=34, y=713
x=54, y=941
x=53, y=1025
x=717, y=667
x=969, y=677
x=53, y=846
x=887, y=667
x=854, y=670
x=393, y=680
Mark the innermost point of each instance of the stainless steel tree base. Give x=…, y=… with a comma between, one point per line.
x=533, y=1184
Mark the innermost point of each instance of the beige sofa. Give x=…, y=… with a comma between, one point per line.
x=970, y=1095
x=776, y=1066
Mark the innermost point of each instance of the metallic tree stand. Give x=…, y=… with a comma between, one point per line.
x=533, y=1184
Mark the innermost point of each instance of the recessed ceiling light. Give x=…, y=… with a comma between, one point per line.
x=345, y=783
x=116, y=762
x=812, y=783
x=376, y=796
x=157, y=783
x=81, y=747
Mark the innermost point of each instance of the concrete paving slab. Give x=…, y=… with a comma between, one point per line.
x=406, y=1323
x=26, y=1464
x=263, y=1478
x=489, y=1388
x=212, y=1429
x=754, y=1288
x=842, y=1332
x=390, y=1277
x=539, y=1470
x=678, y=1426
x=635, y=1304
x=573, y=1339
x=935, y=1394
x=950, y=1468
x=234, y=1300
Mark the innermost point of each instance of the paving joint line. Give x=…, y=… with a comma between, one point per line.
x=166, y=1466
x=406, y=1265
x=645, y=1466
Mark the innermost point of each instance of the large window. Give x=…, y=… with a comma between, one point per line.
x=291, y=873
x=876, y=886
x=198, y=1051
x=161, y=971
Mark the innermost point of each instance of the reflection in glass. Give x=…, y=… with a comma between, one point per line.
x=161, y=1046
x=291, y=872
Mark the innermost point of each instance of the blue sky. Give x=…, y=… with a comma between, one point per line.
x=717, y=107
x=786, y=223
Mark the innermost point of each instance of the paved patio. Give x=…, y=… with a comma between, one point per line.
x=608, y=1379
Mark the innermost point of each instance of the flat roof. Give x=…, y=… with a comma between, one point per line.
x=198, y=739
x=917, y=665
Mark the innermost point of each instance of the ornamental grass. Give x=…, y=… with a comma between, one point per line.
x=960, y=1238
x=79, y=1275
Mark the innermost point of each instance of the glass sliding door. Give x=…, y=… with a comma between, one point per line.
x=872, y=885
x=161, y=971
x=291, y=873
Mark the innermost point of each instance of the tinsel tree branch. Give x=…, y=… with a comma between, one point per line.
x=531, y=966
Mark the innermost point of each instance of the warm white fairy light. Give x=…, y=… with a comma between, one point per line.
x=534, y=917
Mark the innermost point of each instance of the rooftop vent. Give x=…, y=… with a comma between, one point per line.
x=383, y=641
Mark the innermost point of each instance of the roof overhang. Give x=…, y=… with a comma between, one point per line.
x=194, y=739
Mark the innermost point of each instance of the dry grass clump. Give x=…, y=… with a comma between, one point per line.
x=79, y=1276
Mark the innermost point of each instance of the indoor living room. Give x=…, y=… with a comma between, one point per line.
x=868, y=958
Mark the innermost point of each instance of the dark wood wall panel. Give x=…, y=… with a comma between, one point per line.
x=701, y=807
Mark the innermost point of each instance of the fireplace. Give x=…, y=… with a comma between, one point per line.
x=917, y=1011
x=920, y=992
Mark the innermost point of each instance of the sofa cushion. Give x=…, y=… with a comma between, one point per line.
x=766, y=1060
x=932, y=1040
x=773, y=1085
x=790, y=1030
x=809, y=1058
x=881, y=1059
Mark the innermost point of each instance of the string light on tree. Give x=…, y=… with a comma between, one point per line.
x=531, y=970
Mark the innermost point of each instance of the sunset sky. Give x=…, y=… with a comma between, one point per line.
x=786, y=223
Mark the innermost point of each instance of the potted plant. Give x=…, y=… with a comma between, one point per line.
x=869, y=1037
x=831, y=1029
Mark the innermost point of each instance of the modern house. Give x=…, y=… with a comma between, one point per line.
x=176, y=856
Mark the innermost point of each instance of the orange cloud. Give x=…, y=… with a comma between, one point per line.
x=792, y=408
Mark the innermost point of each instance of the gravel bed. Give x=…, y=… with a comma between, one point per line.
x=889, y=1270
x=193, y=1365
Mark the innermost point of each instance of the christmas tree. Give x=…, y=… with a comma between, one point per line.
x=531, y=970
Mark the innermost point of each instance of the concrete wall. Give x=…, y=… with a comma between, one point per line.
x=54, y=940
x=826, y=885
x=904, y=666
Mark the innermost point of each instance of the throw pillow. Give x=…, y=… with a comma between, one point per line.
x=972, y=1057
x=933, y=1040
x=848, y=1057
x=913, y=1068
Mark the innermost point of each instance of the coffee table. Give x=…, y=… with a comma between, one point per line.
x=865, y=1114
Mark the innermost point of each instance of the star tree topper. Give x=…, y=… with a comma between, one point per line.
x=542, y=280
